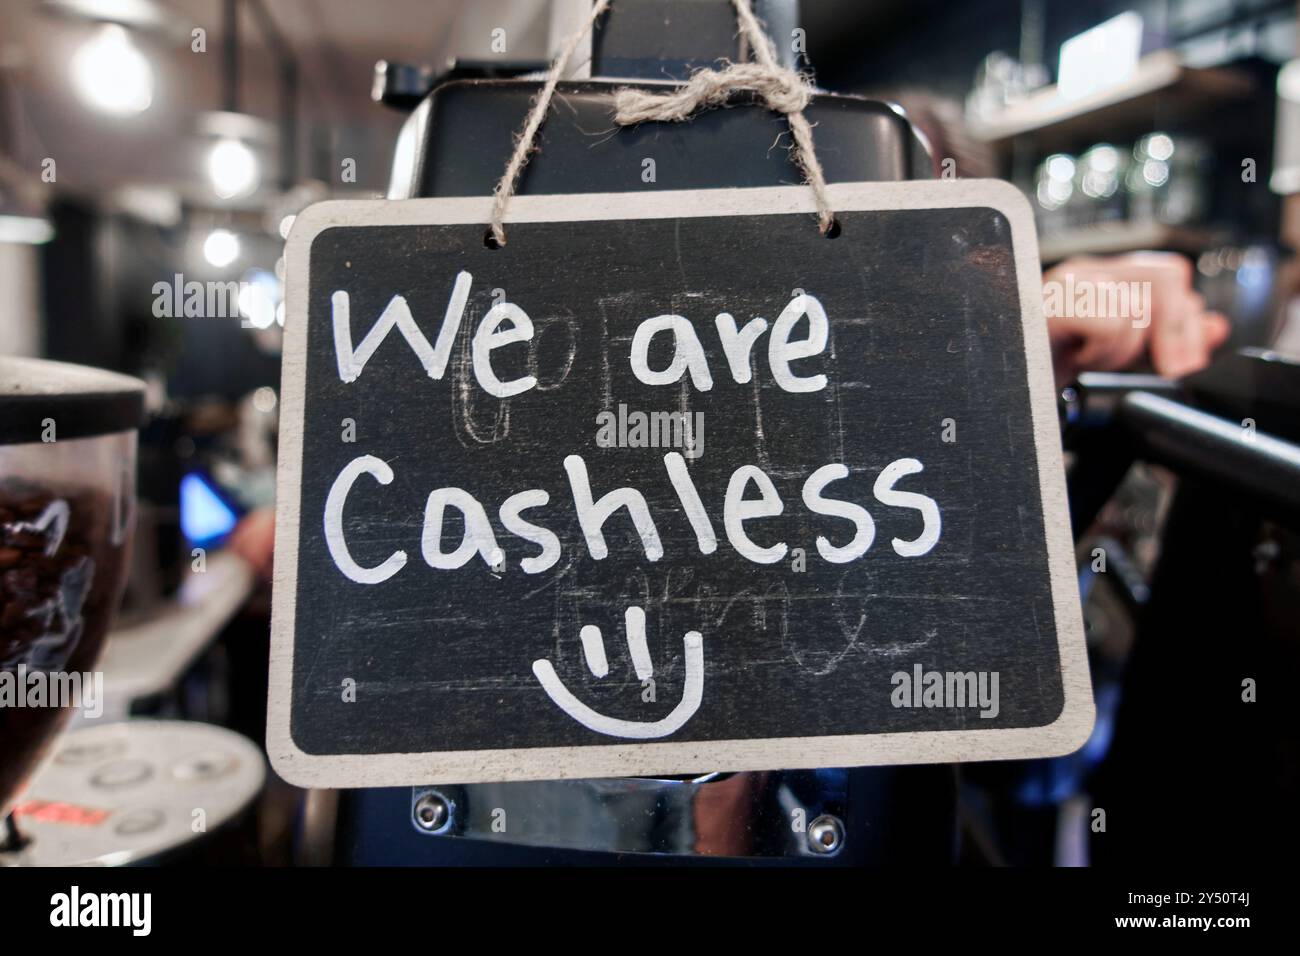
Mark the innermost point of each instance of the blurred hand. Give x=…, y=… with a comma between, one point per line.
x=1159, y=316
x=254, y=540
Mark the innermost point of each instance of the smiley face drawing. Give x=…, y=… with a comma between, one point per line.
x=593, y=648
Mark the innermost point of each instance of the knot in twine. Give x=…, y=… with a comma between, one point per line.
x=781, y=89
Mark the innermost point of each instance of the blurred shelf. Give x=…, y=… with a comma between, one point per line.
x=1110, y=238
x=149, y=657
x=1160, y=82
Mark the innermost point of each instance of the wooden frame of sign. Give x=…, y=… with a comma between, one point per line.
x=958, y=265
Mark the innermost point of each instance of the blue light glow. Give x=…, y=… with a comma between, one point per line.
x=204, y=516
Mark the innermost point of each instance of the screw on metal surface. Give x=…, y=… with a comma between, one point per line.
x=432, y=812
x=826, y=834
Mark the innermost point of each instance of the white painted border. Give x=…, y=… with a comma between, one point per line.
x=1065, y=735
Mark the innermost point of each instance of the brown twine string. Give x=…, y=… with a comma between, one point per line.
x=541, y=105
x=782, y=90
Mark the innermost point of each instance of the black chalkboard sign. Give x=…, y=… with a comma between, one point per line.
x=670, y=483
